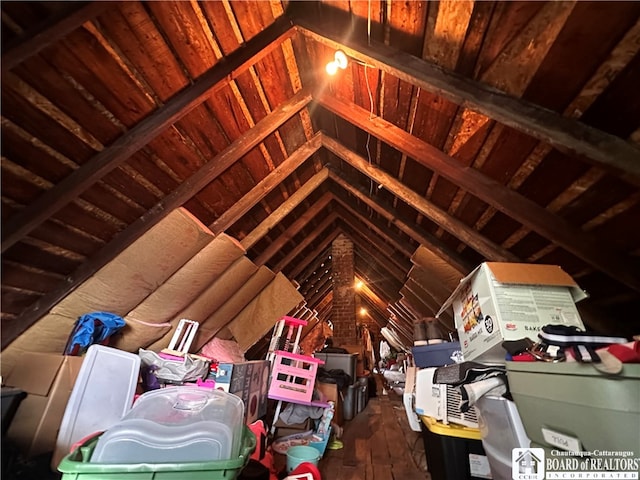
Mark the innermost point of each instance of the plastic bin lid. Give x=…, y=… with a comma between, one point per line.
x=186, y=405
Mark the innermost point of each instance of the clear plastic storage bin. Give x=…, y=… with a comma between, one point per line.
x=78, y=466
x=175, y=424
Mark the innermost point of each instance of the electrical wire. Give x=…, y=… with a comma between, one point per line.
x=366, y=76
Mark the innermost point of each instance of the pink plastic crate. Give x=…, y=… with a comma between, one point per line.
x=293, y=377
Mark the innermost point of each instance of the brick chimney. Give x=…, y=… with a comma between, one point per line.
x=343, y=314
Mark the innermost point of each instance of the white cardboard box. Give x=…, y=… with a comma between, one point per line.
x=510, y=301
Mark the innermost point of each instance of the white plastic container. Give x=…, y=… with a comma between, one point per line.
x=102, y=395
x=501, y=430
x=175, y=424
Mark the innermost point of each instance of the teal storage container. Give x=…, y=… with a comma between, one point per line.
x=77, y=466
x=576, y=406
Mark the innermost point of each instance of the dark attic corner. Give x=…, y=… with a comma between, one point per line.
x=352, y=239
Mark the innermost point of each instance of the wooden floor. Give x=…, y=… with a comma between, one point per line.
x=378, y=444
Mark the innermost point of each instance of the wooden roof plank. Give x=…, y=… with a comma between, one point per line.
x=429, y=242
x=293, y=229
x=521, y=209
x=284, y=209
x=607, y=150
x=266, y=185
x=102, y=163
x=177, y=197
x=465, y=233
x=50, y=31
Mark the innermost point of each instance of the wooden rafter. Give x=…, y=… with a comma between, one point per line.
x=454, y=226
x=424, y=239
x=566, y=134
x=293, y=229
x=300, y=247
x=207, y=173
x=137, y=137
x=283, y=210
x=582, y=244
x=49, y=31
x=262, y=189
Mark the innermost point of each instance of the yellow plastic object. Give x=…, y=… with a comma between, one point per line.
x=451, y=429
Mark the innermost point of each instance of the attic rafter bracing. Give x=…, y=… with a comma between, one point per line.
x=384, y=241
x=267, y=184
x=420, y=237
x=284, y=209
x=322, y=226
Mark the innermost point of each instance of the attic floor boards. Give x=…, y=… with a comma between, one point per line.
x=378, y=444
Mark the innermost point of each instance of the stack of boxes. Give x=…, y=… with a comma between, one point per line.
x=556, y=402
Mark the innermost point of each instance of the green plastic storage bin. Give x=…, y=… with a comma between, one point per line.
x=76, y=465
x=601, y=412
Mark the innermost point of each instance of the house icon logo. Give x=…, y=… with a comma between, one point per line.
x=527, y=464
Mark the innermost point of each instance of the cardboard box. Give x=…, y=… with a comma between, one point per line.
x=48, y=380
x=331, y=393
x=250, y=382
x=283, y=429
x=510, y=301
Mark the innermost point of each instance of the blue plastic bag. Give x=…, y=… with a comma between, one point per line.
x=90, y=328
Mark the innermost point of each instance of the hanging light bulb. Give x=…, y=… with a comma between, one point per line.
x=332, y=68
x=341, y=59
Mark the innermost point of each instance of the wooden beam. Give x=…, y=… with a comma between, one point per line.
x=49, y=31
x=305, y=271
x=566, y=134
x=293, y=229
x=582, y=244
x=313, y=284
x=377, y=308
x=322, y=226
x=428, y=241
x=64, y=192
x=187, y=189
x=399, y=314
x=375, y=274
x=322, y=290
x=454, y=226
x=376, y=265
x=262, y=189
x=376, y=236
x=367, y=223
x=314, y=254
x=283, y=210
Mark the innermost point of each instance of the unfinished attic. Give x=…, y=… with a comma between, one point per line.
x=342, y=162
